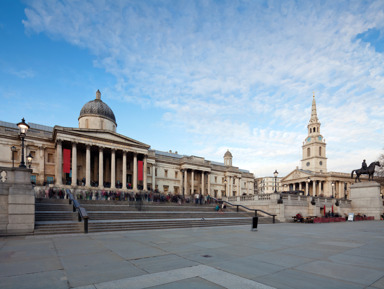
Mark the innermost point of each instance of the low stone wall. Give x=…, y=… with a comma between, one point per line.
x=293, y=204
x=17, y=201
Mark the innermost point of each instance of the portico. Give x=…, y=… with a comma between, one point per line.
x=98, y=164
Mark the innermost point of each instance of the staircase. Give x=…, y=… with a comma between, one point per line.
x=56, y=216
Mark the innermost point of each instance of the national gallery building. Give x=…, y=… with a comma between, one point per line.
x=95, y=157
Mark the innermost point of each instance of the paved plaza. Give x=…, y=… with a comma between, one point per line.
x=333, y=255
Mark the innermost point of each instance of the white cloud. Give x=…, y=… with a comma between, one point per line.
x=236, y=74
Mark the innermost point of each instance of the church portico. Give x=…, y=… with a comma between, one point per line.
x=313, y=177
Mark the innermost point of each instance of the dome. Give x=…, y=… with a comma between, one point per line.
x=98, y=108
x=228, y=154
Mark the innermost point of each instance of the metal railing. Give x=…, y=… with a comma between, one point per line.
x=244, y=207
x=81, y=212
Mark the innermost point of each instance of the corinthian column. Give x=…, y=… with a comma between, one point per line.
x=113, y=169
x=74, y=164
x=101, y=168
x=135, y=171
x=59, y=163
x=145, y=173
x=192, y=183
x=88, y=166
x=124, y=170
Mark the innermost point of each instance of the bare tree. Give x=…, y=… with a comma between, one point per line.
x=379, y=172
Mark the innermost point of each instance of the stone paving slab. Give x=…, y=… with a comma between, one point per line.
x=334, y=255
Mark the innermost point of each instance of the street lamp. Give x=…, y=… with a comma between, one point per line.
x=23, y=131
x=13, y=149
x=275, y=174
x=29, y=160
x=333, y=185
x=308, y=181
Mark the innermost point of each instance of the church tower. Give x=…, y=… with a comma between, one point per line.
x=314, y=147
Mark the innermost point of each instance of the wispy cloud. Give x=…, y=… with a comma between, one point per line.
x=236, y=74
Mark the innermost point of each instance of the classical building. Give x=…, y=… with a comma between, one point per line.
x=267, y=185
x=95, y=157
x=313, y=177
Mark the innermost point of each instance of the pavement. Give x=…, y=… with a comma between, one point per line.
x=284, y=255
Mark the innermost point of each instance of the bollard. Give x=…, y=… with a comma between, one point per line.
x=255, y=220
x=86, y=225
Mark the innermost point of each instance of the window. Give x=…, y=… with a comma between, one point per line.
x=310, y=130
x=319, y=151
x=33, y=179
x=308, y=152
x=50, y=158
x=50, y=180
x=155, y=172
x=215, y=179
x=166, y=173
x=148, y=170
x=176, y=175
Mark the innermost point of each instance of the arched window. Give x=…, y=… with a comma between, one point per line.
x=308, y=152
x=310, y=130
x=319, y=151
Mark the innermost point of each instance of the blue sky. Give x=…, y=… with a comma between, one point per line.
x=201, y=77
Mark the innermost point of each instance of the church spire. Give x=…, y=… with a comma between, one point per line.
x=314, y=118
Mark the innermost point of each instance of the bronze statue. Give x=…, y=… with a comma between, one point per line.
x=367, y=171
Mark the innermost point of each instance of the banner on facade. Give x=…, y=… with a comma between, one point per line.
x=140, y=170
x=66, y=161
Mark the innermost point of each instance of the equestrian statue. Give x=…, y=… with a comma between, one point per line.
x=370, y=170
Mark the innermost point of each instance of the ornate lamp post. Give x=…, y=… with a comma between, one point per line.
x=275, y=174
x=333, y=185
x=13, y=149
x=29, y=160
x=23, y=131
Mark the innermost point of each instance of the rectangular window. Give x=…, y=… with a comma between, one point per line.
x=215, y=179
x=155, y=172
x=33, y=179
x=50, y=180
x=166, y=173
x=50, y=158
x=176, y=175
x=148, y=170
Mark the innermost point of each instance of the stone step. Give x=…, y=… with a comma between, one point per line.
x=154, y=215
x=56, y=216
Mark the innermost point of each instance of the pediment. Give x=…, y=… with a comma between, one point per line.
x=296, y=175
x=98, y=135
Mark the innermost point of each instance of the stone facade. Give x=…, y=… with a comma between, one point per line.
x=102, y=159
x=266, y=185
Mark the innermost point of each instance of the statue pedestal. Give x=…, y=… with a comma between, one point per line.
x=17, y=201
x=366, y=199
